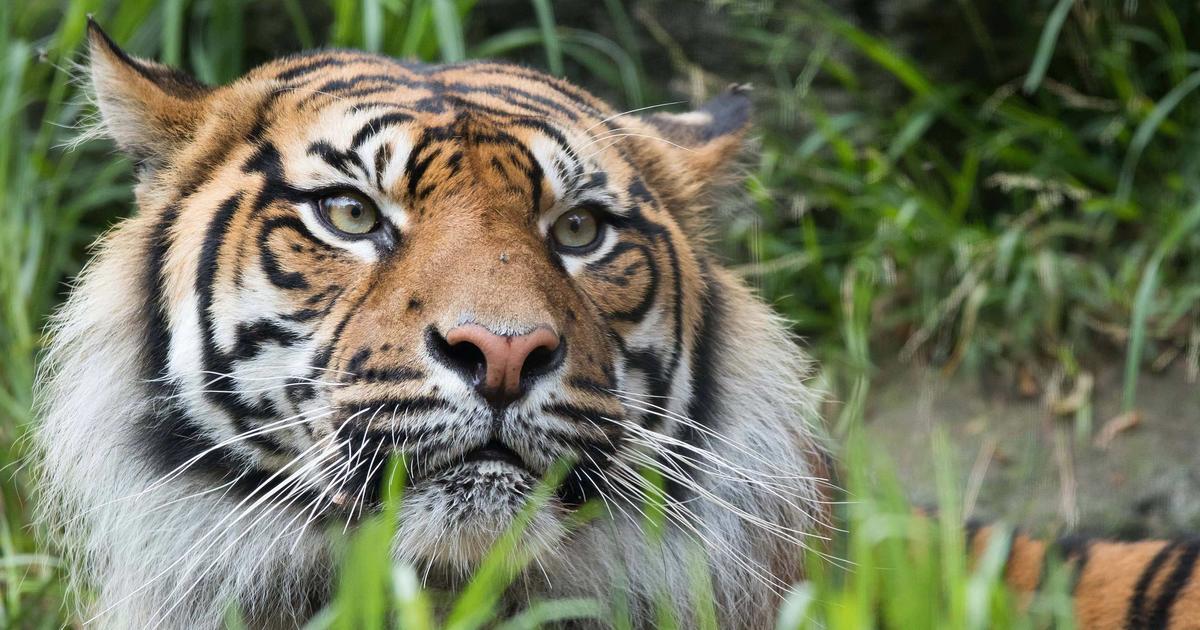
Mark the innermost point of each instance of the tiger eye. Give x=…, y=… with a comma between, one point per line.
x=350, y=213
x=576, y=229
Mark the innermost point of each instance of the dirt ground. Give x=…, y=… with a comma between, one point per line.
x=1030, y=467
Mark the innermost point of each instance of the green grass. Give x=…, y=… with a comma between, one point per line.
x=891, y=568
x=1025, y=194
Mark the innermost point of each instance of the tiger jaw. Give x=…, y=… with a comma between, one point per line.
x=453, y=520
x=470, y=505
x=478, y=465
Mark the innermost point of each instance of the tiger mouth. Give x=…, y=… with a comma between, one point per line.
x=495, y=451
x=478, y=459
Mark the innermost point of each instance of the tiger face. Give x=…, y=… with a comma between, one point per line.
x=341, y=257
x=476, y=265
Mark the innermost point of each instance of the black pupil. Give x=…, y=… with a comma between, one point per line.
x=575, y=222
x=355, y=210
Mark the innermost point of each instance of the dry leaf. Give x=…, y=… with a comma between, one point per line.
x=1078, y=397
x=1120, y=424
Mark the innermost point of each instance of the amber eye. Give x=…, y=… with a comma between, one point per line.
x=350, y=213
x=576, y=229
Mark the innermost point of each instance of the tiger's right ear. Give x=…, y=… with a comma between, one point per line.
x=149, y=109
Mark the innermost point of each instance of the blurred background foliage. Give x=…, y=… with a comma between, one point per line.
x=1008, y=187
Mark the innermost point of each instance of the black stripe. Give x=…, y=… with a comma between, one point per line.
x=1065, y=549
x=590, y=385
x=291, y=280
x=361, y=85
x=416, y=169
x=340, y=160
x=376, y=125
x=252, y=336
x=308, y=68
x=534, y=172
x=1081, y=564
x=397, y=406
x=170, y=439
x=581, y=99
x=538, y=104
x=222, y=389
x=713, y=296
x=325, y=354
x=1160, y=614
x=638, y=220
x=639, y=310
x=454, y=162
x=1136, y=616
x=707, y=391
x=394, y=374
x=365, y=91
x=505, y=116
x=580, y=484
x=365, y=105
x=199, y=171
x=158, y=331
x=650, y=364
x=357, y=360
x=383, y=155
x=971, y=528
x=575, y=412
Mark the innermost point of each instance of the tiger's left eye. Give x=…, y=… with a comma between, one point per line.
x=576, y=229
x=350, y=213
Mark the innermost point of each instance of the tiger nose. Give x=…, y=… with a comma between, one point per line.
x=501, y=367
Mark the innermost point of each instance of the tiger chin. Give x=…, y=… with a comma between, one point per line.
x=341, y=257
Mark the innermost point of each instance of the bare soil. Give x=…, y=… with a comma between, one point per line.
x=1029, y=466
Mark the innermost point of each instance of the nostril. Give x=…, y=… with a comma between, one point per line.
x=470, y=358
x=463, y=357
x=543, y=359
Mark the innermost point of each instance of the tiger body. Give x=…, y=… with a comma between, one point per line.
x=341, y=256
x=1116, y=585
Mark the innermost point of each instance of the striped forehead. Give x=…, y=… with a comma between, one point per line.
x=368, y=148
x=350, y=146
x=371, y=109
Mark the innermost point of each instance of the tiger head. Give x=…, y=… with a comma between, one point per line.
x=341, y=256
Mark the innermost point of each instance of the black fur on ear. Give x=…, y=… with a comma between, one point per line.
x=149, y=109
x=725, y=116
x=693, y=156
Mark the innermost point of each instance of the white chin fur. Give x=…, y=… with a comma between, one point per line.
x=453, y=518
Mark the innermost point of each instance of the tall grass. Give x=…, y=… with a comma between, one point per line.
x=1024, y=195
x=1029, y=210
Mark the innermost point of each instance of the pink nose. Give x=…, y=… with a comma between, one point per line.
x=504, y=361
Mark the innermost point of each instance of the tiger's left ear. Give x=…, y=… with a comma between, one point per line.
x=695, y=152
x=149, y=109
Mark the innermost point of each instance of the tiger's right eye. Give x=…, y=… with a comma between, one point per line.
x=350, y=213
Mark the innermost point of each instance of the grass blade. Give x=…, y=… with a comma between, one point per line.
x=1046, y=46
x=1143, y=302
x=545, y=18
x=1145, y=131
x=449, y=31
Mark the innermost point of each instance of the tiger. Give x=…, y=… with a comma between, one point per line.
x=341, y=258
